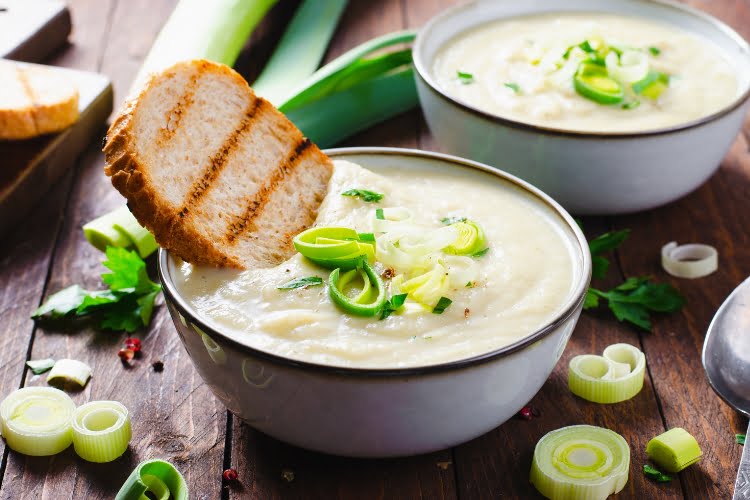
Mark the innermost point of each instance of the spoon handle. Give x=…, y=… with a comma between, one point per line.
x=742, y=486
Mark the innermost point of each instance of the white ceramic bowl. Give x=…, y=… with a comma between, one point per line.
x=381, y=412
x=588, y=173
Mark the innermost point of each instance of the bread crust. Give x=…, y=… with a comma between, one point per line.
x=177, y=228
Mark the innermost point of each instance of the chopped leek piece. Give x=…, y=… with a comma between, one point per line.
x=379, y=214
x=631, y=105
x=70, y=370
x=154, y=479
x=655, y=51
x=740, y=438
x=334, y=247
x=480, y=253
x=442, y=305
x=452, y=220
x=428, y=288
x=301, y=283
x=389, y=219
x=615, y=376
x=674, y=450
x=470, y=240
x=352, y=306
x=36, y=421
x=465, y=77
x=689, y=261
x=364, y=194
x=39, y=366
x=101, y=431
x=300, y=50
x=119, y=228
x=580, y=461
x=653, y=85
x=592, y=82
x=656, y=474
x=630, y=67
x=368, y=237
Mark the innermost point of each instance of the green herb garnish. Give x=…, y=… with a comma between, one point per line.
x=452, y=220
x=740, y=438
x=364, y=194
x=366, y=237
x=392, y=305
x=442, y=305
x=652, y=85
x=39, y=366
x=470, y=284
x=465, y=77
x=631, y=105
x=655, y=51
x=513, y=86
x=655, y=474
x=379, y=214
x=635, y=298
x=480, y=253
x=301, y=283
x=126, y=305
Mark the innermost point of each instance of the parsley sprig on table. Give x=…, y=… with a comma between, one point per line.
x=126, y=305
x=634, y=299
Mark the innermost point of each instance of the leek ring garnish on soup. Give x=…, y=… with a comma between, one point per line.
x=368, y=301
x=470, y=239
x=335, y=247
x=580, y=461
x=593, y=82
x=615, y=376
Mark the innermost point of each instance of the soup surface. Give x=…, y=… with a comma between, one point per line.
x=523, y=281
x=523, y=69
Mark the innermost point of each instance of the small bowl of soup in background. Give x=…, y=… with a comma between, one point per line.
x=609, y=106
x=295, y=366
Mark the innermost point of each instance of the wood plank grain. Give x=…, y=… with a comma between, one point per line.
x=174, y=415
x=259, y=459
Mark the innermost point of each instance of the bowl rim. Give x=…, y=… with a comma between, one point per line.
x=569, y=308
x=425, y=75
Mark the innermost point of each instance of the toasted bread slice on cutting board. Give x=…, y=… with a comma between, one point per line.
x=34, y=101
x=217, y=174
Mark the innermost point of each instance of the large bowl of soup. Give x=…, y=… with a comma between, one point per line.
x=609, y=106
x=294, y=365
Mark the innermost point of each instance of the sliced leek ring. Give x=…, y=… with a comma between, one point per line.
x=157, y=479
x=101, y=431
x=674, y=450
x=615, y=376
x=690, y=261
x=580, y=462
x=36, y=421
x=69, y=370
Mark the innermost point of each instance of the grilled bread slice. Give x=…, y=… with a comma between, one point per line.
x=34, y=101
x=217, y=174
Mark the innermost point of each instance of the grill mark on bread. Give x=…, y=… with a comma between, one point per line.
x=255, y=205
x=219, y=160
x=174, y=115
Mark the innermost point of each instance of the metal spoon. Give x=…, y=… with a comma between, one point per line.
x=726, y=359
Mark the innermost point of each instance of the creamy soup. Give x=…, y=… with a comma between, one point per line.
x=524, y=279
x=524, y=68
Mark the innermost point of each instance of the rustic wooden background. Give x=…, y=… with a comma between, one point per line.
x=175, y=416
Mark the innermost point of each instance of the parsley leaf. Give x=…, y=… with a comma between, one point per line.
x=465, y=77
x=392, y=305
x=480, y=253
x=608, y=241
x=740, y=438
x=128, y=304
x=513, y=86
x=364, y=195
x=655, y=474
x=301, y=283
x=631, y=105
x=452, y=220
x=442, y=305
x=655, y=51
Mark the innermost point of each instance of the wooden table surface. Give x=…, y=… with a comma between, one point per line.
x=175, y=417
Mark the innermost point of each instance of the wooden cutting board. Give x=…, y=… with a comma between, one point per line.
x=30, y=30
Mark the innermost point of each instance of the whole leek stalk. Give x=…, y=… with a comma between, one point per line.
x=201, y=29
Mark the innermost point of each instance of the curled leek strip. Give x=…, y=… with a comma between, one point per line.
x=630, y=67
x=689, y=261
x=615, y=376
x=390, y=219
x=37, y=420
x=461, y=270
x=375, y=296
x=674, y=450
x=69, y=370
x=580, y=461
x=335, y=247
x=154, y=479
x=101, y=431
x=427, y=288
